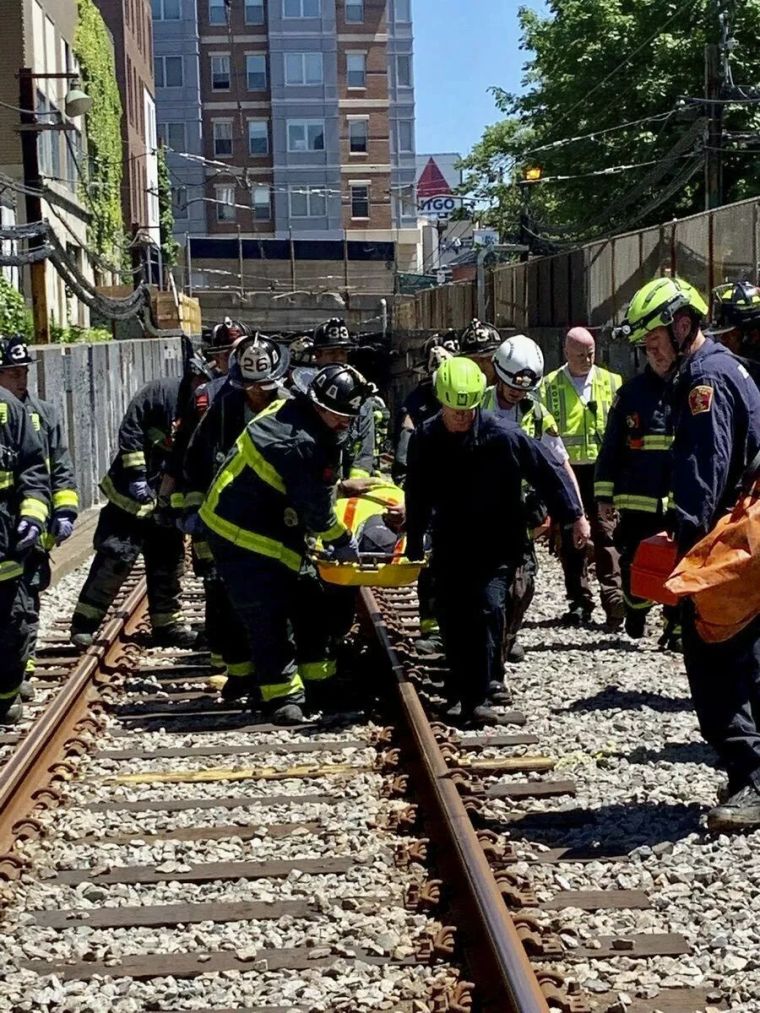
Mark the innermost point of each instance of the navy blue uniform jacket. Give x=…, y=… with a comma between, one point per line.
x=716, y=414
x=467, y=489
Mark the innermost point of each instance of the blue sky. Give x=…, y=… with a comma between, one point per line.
x=462, y=47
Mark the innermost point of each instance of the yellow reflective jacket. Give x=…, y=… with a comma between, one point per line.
x=580, y=425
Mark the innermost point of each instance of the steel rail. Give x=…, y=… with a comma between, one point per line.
x=506, y=981
x=32, y=767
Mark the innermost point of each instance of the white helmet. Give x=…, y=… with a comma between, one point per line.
x=258, y=360
x=436, y=356
x=519, y=363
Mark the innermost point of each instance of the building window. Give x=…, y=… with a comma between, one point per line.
x=404, y=71
x=360, y=200
x=262, y=204
x=405, y=136
x=303, y=68
x=222, y=138
x=217, y=12
x=356, y=70
x=306, y=135
x=355, y=11
x=256, y=72
x=358, y=136
x=225, y=203
x=168, y=72
x=173, y=135
x=179, y=202
x=404, y=10
x=258, y=137
x=166, y=10
x=254, y=12
x=220, y=73
x=301, y=8
x=307, y=202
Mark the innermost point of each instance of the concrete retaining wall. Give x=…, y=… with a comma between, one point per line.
x=91, y=386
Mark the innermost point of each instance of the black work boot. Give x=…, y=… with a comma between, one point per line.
x=26, y=690
x=635, y=623
x=284, y=712
x=739, y=812
x=481, y=716
x=237, y=688
x=579, y=614
x=174, y=636
x=431, y=643
x=81, y=637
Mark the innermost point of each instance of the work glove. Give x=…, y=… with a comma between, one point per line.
x=28, y=532
x=61, y=528
x=346, y=552
x=140, y=490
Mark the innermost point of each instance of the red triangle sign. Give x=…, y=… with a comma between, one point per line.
x=432, y=182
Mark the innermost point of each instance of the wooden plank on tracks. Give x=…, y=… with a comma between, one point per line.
x=631, y=945
x=530, y=789
x=213, y=833
x=205, y=872
x=598, y=900
x=173, y=805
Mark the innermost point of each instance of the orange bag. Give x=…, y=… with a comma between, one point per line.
x=721, y=574
x=652, y=565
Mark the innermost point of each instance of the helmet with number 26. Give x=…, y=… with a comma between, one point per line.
x=258, y=360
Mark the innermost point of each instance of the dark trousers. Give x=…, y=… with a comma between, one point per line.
x=263, y=593
x=471, y=608
x=322, y=618
x=119, y=539
x=36, y=579
x=520, y=595
x=633, y=527
x=227, y=639
x=16, y=617
x=575, y=561
x=725, y=687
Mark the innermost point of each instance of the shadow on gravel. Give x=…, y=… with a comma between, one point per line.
x=674, y=752
x=610, y=830
x=614, y=698
x=608, y=644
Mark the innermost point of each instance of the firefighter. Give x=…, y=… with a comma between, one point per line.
x=632, y=481
x=518, y=365
x=219, y=342
x=478, y=341
x=735, y=322
x=15, y=360
x=257, y=366
x=24, y=514
x=333, y=344
x=129, y=523
x=420, y=404
x=275, y=487
x=459, y=460
x=716, y=427
x=579, y=396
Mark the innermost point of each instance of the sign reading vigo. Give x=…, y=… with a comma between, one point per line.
x=440, y=207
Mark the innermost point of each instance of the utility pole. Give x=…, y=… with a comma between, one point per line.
x=714, y=128
x=31, y=168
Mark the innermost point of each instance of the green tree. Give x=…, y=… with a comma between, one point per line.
x=597, y=64
x=169, y=245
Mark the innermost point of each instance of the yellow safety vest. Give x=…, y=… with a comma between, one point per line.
x=581, y=428
x=355, y=511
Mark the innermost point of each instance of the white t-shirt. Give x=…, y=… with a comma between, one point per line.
x=582, y=384
x=552, y=443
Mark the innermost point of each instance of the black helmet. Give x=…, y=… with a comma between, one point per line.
x=479, y=339
x=14, y=351
x=340, y=389
x=302, y=350
x=224, y=335
x=736, y=304
x=258, y=360
x=333, y=333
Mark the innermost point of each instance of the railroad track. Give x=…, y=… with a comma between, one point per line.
x=165, y=852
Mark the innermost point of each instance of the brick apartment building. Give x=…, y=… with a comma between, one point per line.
x=302, y=113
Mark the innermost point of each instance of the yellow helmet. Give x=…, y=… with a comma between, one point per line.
x=656, y=304
x=459, y=383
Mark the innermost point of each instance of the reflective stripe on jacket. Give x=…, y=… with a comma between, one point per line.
x=633, y=467
x=534, y=418
x=24, y=480
x=146, y=436
x=47, y=424
x=581, y=426
x=276, y=485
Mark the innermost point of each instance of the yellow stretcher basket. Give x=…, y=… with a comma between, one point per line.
x=373, y=570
